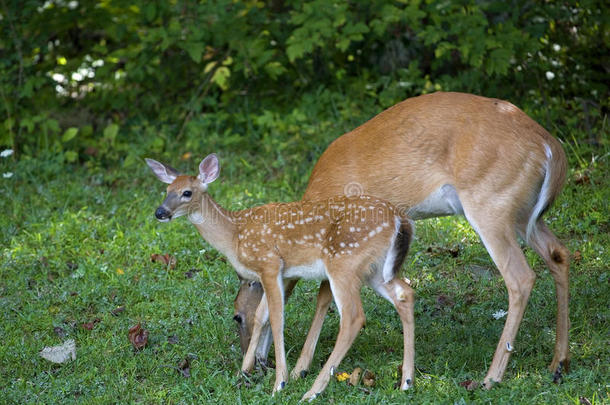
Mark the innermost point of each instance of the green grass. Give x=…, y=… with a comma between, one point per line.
x=76, y=245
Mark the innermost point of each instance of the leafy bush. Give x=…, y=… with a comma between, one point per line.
x=87, y=79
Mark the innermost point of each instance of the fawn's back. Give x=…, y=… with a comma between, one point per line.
x=308, y=236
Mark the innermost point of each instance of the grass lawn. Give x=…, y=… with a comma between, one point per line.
x=76, y=245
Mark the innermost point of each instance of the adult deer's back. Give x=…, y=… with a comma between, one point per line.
x=471, y=145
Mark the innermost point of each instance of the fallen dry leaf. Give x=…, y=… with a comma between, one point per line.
x=581, y=178
x=138, y=336
x=584, y=401
x=354, y=378
x=165, y=259
x=91, y=325
x=577, y=256
x=444, y=301
x=184, y=367
x=368, y=378
x=60, y=353
x=470, y=385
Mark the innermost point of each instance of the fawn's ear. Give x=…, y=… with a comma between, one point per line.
x=209, y=168
x=166, y=174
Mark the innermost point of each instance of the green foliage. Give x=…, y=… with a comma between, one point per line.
x=163, y=69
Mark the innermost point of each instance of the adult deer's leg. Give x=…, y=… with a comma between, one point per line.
x=323, y=302
x=346, y=293
x=556, y=257
x=498, y=233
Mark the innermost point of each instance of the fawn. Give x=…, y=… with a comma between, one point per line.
x=347, y=241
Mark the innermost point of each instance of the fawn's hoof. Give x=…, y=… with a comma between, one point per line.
x=279, y=387
x=310, y=396
x=408, y=384
x=295, y=374
x=488, y=383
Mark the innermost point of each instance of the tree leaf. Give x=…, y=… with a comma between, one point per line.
x=69, y=134
x=138, y=336
x=195, y=50
x=221, y=77
x=71, y=156
x=111, y=131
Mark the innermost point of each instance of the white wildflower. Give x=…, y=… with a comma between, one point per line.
x=550, y=75
x=76, y=76
x=7, y=175
x=58, y=77
x=556, y=47
x=499, y=314
x=6, y=153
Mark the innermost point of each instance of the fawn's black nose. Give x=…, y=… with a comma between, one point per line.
x=162, y=214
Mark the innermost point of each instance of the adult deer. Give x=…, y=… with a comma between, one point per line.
x=347, y=241
x=455, y=154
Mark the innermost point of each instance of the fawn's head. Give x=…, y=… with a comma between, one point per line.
x=184, y=192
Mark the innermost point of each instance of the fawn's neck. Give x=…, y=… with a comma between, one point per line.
x=215, y=225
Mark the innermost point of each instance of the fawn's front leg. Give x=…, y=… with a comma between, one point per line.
x=274, y=292
x=325, y=297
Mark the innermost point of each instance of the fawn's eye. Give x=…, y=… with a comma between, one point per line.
x=237, y=318
x=187, y=193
